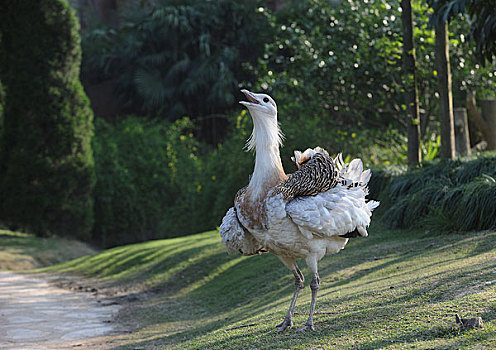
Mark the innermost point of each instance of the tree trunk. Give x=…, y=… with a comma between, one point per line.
x=488, y=107
x=445, y=93
x=411, y=96
x=475, y=118
x=462, y=138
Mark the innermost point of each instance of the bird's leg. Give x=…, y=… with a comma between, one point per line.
x=299, y=279
x=314, y=286
x=288, y=320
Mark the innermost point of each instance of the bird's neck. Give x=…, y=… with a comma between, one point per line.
x=266, y=140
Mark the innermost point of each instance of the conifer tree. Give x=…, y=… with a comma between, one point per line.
x=46, y=162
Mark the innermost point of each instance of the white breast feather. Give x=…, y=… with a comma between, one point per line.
x=231, y=232
x=235, y=237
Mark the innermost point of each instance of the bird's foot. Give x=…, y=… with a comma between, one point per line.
x=306, y=327
x=287, y=322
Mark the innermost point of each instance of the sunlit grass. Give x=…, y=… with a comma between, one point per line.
x=392, y=290
x=22, y=251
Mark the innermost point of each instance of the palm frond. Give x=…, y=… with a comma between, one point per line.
x=149, y=85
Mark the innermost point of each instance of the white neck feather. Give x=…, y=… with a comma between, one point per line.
x=265, y=139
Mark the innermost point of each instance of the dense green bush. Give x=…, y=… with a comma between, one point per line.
x=448, y=195
x=147, y=180
x=155, y=180
x=2, y=98
x=46, y=160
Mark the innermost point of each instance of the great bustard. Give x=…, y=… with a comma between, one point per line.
x=307, y=214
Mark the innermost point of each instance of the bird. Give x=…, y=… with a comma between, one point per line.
x=308, y=214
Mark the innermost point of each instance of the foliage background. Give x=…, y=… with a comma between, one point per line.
x=171, y=162
x=171, y=59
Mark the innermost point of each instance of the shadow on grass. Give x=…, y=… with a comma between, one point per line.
x=138, y=262
x=253, y=285
x=23, y=241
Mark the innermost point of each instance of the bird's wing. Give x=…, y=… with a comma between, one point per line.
x=327, y=197
x=336, y=212
x=319, y=174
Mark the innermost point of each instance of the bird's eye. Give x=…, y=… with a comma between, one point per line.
x=266, y=99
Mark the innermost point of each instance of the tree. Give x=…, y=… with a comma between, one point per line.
x=46, y=161
x=175, y=59
x=482, y=14
x=445, y=93
x=411, y=96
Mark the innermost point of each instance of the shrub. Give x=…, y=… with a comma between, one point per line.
x=227, y=169
x=46, y=160
x=448, y=195
x=2, y=98
x=155, y=180
x=147, y=180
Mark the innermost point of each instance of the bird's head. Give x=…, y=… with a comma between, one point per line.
x=259, y=104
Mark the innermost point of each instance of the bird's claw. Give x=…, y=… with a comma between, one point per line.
x=305, y=328
x=287, y=322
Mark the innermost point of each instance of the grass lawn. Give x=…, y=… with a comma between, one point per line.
x=22, y=251
x=392, y=290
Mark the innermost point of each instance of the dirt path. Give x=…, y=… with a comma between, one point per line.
x=34, y=314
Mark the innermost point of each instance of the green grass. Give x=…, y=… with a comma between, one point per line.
x=392, y=290
x=22, y=251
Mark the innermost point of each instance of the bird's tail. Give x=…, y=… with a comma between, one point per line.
x=372, y=204
x=352, y=174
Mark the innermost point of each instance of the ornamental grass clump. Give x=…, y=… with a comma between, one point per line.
x=449, y=195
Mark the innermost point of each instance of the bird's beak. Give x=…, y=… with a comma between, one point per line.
x=252, y=100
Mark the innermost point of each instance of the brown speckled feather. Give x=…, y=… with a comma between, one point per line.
x=318, y=175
